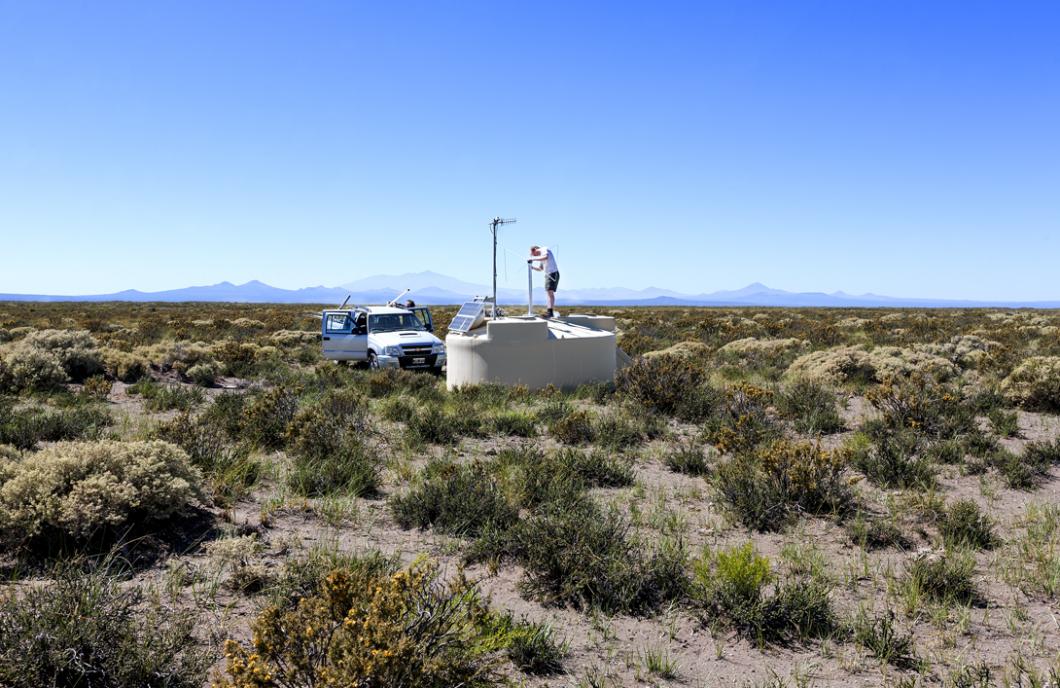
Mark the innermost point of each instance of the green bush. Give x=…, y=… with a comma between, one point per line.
x=671, y=385
x=765, y=488
x=226, y=413
x=880, y=636
x=388, y=381
x=79, y=490
x=167, y=397
x=91, y=629
x=690, y=459
x=434, y=425
x=742, y=422
x=577, y=427
x=945, y=577
x=574, y=553
x=534, y=649
x=351, y=468
x=513, y=423
x=25, y=428
x=228, y=469
x=894, y=458
x=965, y=525
x=1025, y=471
x=461, y=500
x=811, y=406
x=921, y=404
x=732, y=584
x=204, y=374
x=1004, y=423
x=266, y=416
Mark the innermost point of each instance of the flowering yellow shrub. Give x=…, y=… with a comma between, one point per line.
x=366, y=628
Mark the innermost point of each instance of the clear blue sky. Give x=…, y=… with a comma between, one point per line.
x=894, y=146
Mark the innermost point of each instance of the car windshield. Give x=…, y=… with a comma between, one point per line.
x=392, y=322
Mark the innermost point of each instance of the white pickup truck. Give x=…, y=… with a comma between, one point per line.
x=382, y=337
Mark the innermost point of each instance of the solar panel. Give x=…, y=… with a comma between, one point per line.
x=468, y=317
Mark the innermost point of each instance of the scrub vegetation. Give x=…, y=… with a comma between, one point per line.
x=190, y=496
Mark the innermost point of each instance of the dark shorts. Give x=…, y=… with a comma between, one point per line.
x=551, y=281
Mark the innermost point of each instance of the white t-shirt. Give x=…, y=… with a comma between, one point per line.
x=550, y=264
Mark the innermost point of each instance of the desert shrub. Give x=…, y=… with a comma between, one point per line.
x=25, y=428
x=1004, y=423
x=434, y=425
x=204, y=374
x=966, y=350
x=837, y=366
x=350, y=467
x=881, y=636
x=226, y=413
x=965, y=525
x=31, y=369
x=942, y=577
x=811, y=406
x=361, y=628
x=621, y=429
x=923, y=405
x=124, y=365
x=77, y=351
x=1025, y=471
x=322, y=428
x=458, y=499
x=766, y=357
x=513, y=423
x=167, y=397
x=228, y=469
x=950, y=452
x=671, y=385
x=531, y=478
x=1035, y=384
x=97, y=387
x=689, y=459
x=266, y=416
x=398, y=408
x=89, y=629
x=533, y=648
x=872, y=532
x=894, y=363
x=892, y=458
x=77, y=490
x=574, y=553
x=577, y=427
x=765, y=488
x=732, y=585
x=387, y=381
x=741, y=423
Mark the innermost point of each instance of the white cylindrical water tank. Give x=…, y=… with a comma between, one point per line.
x=534, y=352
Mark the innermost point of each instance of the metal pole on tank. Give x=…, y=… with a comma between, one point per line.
x=494, y=223
x=529, y=288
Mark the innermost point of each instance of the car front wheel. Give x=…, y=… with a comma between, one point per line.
x=372, y=362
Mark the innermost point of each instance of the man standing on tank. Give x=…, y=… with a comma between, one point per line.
x=546, y=262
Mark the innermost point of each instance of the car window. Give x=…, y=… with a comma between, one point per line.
x=337, y=323
x=392, y=322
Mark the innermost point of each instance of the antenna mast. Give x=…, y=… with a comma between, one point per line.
x=494, y=223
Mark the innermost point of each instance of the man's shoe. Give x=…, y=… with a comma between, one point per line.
x=548, y=313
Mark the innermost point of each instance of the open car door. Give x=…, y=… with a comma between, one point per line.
x=343, y=340
x=423, y=314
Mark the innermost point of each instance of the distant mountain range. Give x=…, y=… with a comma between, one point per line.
x=432, y=288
